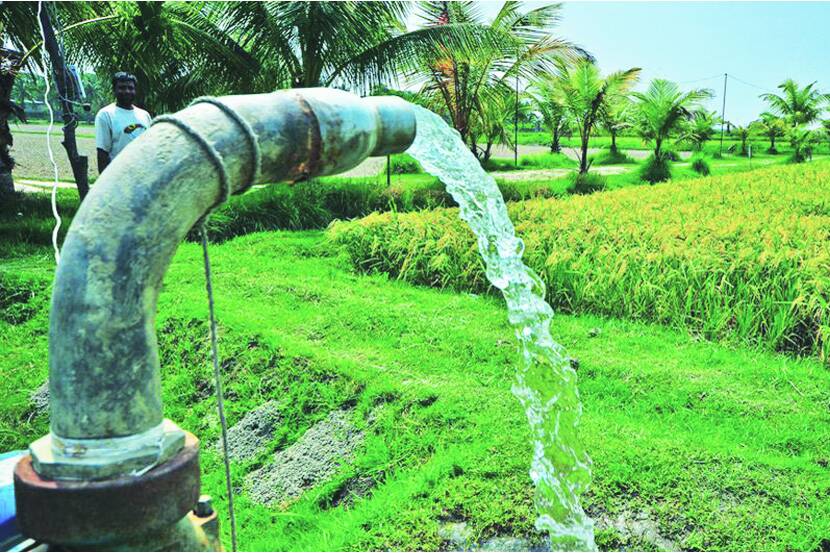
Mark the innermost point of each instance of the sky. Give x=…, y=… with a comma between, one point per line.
x=695, y=43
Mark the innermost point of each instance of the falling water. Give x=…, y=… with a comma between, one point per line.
x=545, y=382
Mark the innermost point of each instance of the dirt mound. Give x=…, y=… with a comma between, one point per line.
x=249, y=437
x=313, y=459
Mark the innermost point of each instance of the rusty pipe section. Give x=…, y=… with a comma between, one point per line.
x=105, y=387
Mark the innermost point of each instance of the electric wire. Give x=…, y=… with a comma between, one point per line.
x=718, y=76
x=55, y=213
x=750, y=84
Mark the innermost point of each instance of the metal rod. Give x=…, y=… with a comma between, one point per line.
x=723, y=113
x=516, y=126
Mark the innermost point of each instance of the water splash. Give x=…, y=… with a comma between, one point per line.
x=545, y=382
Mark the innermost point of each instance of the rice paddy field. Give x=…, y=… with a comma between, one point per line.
x=726, y=257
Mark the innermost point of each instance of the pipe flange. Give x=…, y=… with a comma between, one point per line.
x=59, y=458
x=75, y=513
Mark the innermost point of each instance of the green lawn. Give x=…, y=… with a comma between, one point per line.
x=723, y=449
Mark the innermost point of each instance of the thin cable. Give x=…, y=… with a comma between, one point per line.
x=225, y=189
x=48, y=137
x=218, y=378
x=752, y=85
x=700, y=80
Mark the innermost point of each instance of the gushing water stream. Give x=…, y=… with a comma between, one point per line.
x=545, y=382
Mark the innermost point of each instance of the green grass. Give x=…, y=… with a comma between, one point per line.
x=530, y=161
x=612, y=158
x=726, y=449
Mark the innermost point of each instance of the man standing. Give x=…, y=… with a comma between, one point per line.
x=118, y=124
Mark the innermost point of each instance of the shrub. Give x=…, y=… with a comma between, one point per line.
x=734, y=256
x=404, y=164
x=547, y=161
x=586, y=183
x=700, y=165
x=669, y=154
x=655, y=170
x=612, y=158
x=531, y=161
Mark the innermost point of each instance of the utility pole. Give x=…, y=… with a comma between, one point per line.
x=723, y=113
x=388, y=171
x=516, y=126
x=79, y=163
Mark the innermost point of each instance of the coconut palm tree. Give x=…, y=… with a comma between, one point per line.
x=554, y=118
x=586, y=95
x=617, y=118
x=772, y=127
x=346, y=44
x=699, y=128
x=826, y=125
x=177, y=51
x=493, y=123
x=801, y=140
x=742, y=133
x=662, y=109
x=798, y=106
x=519, y=46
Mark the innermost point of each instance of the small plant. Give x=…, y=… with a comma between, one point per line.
x=656, y=169
x=669, y=154
x=612, y=158
x=717, y=155
x=700, y=165
x=801, y=140
x=587, y=183
x=404, y=164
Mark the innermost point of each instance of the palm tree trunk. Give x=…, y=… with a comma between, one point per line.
x=555, y=148
x=583, y=157
x=613, y=142
x=657, y=144
x=6, y=140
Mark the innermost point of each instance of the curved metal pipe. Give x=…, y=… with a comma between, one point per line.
x=105, y=388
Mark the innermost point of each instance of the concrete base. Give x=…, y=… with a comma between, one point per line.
x=57, y=458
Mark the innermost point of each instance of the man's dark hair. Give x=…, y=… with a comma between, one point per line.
x=123, y=76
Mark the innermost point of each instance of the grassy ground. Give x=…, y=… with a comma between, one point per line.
x=722, y=449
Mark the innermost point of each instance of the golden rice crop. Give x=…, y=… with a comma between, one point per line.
x=743, y=256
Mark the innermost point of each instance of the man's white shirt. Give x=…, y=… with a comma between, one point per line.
x=116, y=127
